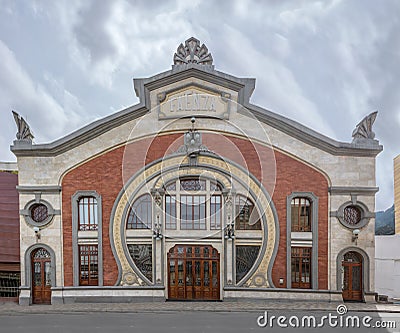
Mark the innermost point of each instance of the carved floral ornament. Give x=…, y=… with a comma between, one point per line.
x=192, y=53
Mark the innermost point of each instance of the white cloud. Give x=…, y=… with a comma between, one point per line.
x=47, y=116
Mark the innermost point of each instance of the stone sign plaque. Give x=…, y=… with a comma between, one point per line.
x=193, y=101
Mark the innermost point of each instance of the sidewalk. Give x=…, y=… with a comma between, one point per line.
x=227, y=306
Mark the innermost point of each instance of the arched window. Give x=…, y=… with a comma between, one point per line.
x=87, y=214
x=247, y=217
x=139, y=216
x=301, y=214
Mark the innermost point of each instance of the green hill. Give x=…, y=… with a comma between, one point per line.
x=384, y=222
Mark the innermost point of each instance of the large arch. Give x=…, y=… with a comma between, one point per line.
x=154, y=175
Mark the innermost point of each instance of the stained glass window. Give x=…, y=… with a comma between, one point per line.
x=141, y=255
x=246, y=256
x=193, y=185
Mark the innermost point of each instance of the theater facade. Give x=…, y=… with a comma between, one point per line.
x=195, y=193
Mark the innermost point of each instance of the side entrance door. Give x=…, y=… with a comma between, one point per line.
x=41, y=276
x=352, y=277
x=193, y=273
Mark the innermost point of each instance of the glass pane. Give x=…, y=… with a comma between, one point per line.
x=301, y=214
x=356, y=278
x=141, y=255
x=197, y=273
x=172, y=272
x=206, y=274
x=189, y=275
x=247, y=217
x=193, y=211
x=246, y=256
x=214, y=274
x=47, y=272
x=37, y=276
x=346, y=277
x=180, y=273
x=170, y=212
x=140, y=214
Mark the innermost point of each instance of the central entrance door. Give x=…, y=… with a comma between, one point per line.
x=193, y=273
x=352, y=277
x=41, y=276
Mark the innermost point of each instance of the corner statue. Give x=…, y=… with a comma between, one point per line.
x=363, y=129
x=24, y=132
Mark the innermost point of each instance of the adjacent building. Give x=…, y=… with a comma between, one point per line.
x=396, y=164
x=195, y=193
x=9, y=234
x=386, y=255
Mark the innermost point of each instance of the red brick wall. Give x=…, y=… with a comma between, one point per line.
x=104, y=174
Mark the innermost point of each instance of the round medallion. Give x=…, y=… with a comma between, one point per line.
x=130, y=278
x=259, y=280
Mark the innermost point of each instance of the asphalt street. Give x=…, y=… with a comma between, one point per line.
x=190, y=322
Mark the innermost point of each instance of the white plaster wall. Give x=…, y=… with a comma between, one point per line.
x=387, y=265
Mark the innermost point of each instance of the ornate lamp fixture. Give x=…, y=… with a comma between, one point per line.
x=157, y=230
x=229, y=230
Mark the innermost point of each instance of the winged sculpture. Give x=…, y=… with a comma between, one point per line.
x=24, y=132
x=363, y=129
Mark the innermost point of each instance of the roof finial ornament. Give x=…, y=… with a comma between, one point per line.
x=192, y=53
x=363, y=130
x=24, y=132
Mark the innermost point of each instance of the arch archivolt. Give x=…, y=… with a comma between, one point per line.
x=226, y=173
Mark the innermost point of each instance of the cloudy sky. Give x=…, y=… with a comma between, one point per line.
x=326, y=64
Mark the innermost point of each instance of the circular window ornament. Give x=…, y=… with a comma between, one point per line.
x=38, y=214
x=354, y=215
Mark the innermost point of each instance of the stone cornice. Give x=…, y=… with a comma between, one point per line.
x=352, y=190
x=80, y=136
x=40, y=188
x=312, y=137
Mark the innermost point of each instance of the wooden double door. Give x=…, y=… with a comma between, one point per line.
x=193, y=273
x=41, y=276
x=352, y=277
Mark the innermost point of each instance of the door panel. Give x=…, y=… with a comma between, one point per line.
x=352, y=277
x=41, y=277
x=198, y=273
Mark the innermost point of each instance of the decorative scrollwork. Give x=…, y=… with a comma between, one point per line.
x=157, y=195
